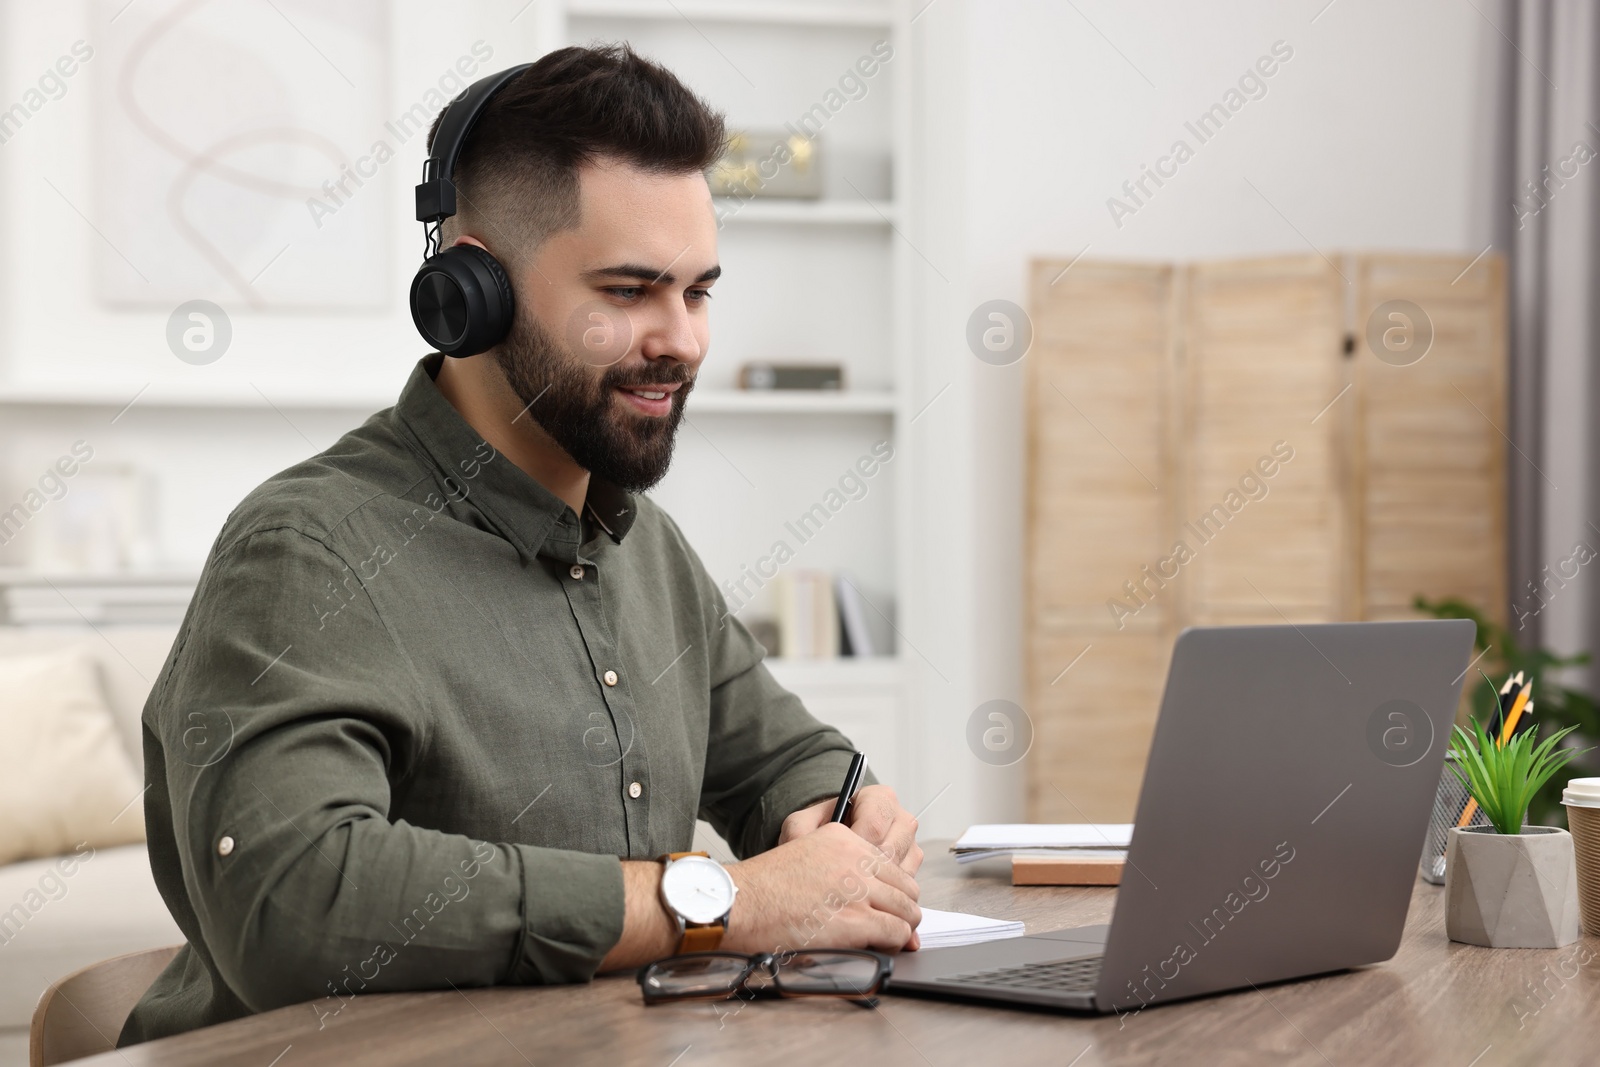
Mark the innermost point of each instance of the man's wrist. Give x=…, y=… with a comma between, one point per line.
x=746, y=906
x=649, y=931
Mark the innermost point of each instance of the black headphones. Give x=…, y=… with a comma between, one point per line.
x=461, y=298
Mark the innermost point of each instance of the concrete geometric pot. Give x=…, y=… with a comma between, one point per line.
x=1511, y=890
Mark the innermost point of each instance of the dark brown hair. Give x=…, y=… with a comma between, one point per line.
x=517, y=179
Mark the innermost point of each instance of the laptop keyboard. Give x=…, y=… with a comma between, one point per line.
x=1054, y=976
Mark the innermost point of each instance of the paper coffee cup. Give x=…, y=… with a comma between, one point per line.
x=1582, y=800
x=1582, y=793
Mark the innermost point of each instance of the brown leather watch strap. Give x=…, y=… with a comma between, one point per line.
x=701, y=938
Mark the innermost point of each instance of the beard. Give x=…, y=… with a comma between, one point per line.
x=579, y=412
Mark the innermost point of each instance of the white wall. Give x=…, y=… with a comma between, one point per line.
x=55, y=333
x=1032, y=114
x=1372, y=135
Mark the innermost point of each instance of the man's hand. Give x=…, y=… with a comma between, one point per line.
x=875, y=814
x=829, y=888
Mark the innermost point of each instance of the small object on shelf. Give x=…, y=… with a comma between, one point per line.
x=852, y=620
x=762, y=376
x=781, y=163
x=1067, y=870
x=100, y=523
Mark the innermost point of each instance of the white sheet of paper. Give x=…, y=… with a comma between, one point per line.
x=976, y=855
x=942, y=929
x=1046, y=835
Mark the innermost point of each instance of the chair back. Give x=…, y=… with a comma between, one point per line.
x=82, y=1014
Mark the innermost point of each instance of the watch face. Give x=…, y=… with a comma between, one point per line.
x=698, y=889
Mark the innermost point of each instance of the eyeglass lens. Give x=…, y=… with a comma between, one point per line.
x=827, y=972
x=697, y=974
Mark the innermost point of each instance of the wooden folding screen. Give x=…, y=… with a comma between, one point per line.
x=1101, y=397
x=1429, y=461
x=1217, y=443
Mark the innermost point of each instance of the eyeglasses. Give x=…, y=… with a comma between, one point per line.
x=850, y=973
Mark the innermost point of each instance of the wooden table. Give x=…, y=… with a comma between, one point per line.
x=1435, y=1002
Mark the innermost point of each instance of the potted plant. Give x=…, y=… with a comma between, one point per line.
x=1508, y=885
x=1499, y=653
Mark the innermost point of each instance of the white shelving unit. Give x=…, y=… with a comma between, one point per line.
x=809, y=46
x=822, y=280
x=704, y=401
x=867, y=13
x=806, y=212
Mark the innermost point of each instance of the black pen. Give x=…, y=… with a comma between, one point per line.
x=852, y=782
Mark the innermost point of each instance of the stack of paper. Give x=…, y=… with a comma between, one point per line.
x=1005, y=839
x=943, y=929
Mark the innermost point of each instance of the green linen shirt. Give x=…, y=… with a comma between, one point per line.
x=418, y=711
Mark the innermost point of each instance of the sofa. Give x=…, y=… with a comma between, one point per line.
x=95, y=907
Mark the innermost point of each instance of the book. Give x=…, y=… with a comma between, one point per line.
x=825, y=616
x=808, y=615
x=1069, y=867
x=853, y=620
x=987, y=841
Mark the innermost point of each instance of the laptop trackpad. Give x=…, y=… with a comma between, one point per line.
x=928, y=965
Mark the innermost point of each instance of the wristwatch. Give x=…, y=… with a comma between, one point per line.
x=698, y=892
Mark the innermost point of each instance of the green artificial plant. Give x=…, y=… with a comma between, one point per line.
x=1556, y=706
x=1504, y=778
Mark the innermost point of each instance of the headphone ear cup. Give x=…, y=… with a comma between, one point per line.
x=461, y=301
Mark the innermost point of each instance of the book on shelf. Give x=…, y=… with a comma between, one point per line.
x=820, y=616
x=853, y=620
x=807, y=615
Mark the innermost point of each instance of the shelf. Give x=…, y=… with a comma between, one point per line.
x=790, y=402
x=703, y=402
x=151, y=598
x=18, y=577
x=690, y=11
x=165, y=395
x=804, y=212
x=857, y=674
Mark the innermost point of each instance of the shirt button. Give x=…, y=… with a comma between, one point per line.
x=576, y=572
x=225, y=846
x=611, y=677
x=635, y=790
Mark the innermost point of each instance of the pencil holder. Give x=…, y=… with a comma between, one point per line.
x=1448, y=803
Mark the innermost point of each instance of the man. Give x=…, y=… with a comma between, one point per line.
x=450, y=689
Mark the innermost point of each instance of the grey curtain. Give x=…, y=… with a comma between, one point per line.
x=1547, y=202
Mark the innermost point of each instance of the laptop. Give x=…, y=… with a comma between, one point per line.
x=1279, y=827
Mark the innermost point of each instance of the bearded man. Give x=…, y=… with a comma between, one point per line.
x=451, y=693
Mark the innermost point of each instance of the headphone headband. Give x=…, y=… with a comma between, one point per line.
x=436, y=196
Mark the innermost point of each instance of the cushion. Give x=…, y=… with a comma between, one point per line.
x=67, y=912
x=65, y=779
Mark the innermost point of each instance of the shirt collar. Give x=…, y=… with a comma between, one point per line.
x=527, y=514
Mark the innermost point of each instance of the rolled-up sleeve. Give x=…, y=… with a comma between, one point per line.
x=302, y=884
